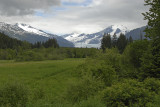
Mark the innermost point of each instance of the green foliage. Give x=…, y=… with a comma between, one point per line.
x=153, y=32
x=13, y=95
x=7, y=42
x=127, y=93
x=91, y=102
x=147, y=65
x=152, y=85
x=153, y=17
x=39, y=54
x=121, y=43
x=106, y=42
x=115, y=42
x=38, y=94
x=84, y=89
x=102, y=66
x=49, y=43
x=30, y=56
x=130, y=40
x=155, y=103
x=7, y=54
x=136, y=51
x=99, y=69
x=45, y=81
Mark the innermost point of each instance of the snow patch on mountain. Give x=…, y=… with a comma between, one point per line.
x=75, y=37
x=30, y=29
x=94, y=40
x=28, y=33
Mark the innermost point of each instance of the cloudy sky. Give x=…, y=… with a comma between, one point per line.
x=67, y=16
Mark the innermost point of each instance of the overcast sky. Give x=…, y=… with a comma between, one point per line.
x=67, y=16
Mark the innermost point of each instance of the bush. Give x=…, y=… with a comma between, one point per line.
x=30, y=56
x=102, y=66
x=148, y=65
x=84, y=89
x=152, y=85
x=127, y=93
x=155, y=103
x=136, y=51
x=13, y=95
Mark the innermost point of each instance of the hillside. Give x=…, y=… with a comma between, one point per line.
x=28, y=33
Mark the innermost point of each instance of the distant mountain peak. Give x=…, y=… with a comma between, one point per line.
x=28, y=33
x=31, y=29
x=94, y=39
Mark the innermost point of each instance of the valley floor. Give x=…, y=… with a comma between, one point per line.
x=51, y=77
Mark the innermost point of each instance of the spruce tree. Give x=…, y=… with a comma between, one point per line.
x=153, y=32
x=114, y=40
x=130, y=39
x=121, y=43
x=106, y=42
x=103, y=43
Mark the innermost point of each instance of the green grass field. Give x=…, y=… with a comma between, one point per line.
x=53, y=77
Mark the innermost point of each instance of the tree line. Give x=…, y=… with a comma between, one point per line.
x=12, y=43
x=115, y=42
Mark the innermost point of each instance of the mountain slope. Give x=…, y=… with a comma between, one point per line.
x=94, y=40
x=136, y=33
x=27, y=33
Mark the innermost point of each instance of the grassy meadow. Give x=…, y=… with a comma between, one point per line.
x=50, y=78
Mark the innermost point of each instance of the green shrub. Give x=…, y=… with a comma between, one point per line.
x=136, y=51
x=152, y=84
x=13, y=95
x=82, y=90
x=30, y=56
x=148, y=65
x=100, y=68
x=128, y=93
x=155, y=103
x=105, y=72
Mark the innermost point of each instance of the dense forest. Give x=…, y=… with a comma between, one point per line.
x=123, y=73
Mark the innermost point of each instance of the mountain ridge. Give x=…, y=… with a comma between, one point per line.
x=28, y=33
x=94, y=40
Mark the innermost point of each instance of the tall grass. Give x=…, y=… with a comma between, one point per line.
x=46, y=81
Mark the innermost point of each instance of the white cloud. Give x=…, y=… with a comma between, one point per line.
x=87, y=19
x=95, y=3
x=25, y=7
x=74, y=1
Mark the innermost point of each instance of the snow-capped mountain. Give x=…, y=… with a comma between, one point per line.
x=30, y=29
x=137, y=33
x=94, y=40
x=31, y=34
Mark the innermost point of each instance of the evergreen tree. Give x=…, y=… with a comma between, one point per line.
x=106, y=42
x=51, y=43
x=7, y=42
x=153, y=32
x=130, y=39
x=103, y=43
x=121, y=43
x=114, y=40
